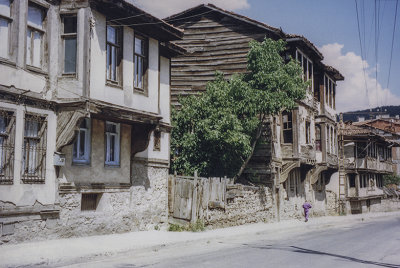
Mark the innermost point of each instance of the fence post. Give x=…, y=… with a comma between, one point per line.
x=193, y=217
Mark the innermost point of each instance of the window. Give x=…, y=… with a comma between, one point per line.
x=363, y=180
x=157, y=140
x=294, y=183
x=81, y=149
x=5, y=22
x=330, y=92
x=352, y=180
x=140, y=63
x=69, y=43
x=34, y=149
x=318, y=138
x=361, y=149
x=379, y=180
x=287, y=127
x=114, y=54
x=307, y=65
x=308, y=133
x=34, y=36
x=112, y=143
x=90, y=201
x=7, y=137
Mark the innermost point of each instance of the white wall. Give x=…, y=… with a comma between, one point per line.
x=124, y=95
x=23, y=194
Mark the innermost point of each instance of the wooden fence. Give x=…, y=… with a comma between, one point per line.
x=190, y=197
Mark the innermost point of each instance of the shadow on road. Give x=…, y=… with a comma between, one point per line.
x=310, y=251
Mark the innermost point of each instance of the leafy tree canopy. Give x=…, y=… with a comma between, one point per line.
x=215, y=133
x=391, y=179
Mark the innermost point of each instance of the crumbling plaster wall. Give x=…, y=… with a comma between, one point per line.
x=96, y=171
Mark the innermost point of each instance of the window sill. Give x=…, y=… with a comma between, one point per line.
x=112, y=166
x=36, y=70
x=113, y=84
x=81, y=164
x=140, y=91
x=70, y=75
x=8, y=62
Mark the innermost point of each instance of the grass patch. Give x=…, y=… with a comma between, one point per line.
x=198, y=226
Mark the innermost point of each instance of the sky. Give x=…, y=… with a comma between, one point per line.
x=333, y=27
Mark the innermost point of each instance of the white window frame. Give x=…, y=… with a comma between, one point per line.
x=300, y=57
x=330, y=97
x=34, y=29
x=85, y=158
x=8, y=19
x=69, y=36
x=108, y=135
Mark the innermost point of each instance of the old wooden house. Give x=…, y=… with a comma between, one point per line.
x=299, y=152
x=367, y=158
x=84, y=118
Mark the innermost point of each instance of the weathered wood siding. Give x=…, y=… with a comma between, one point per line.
x=215, y=43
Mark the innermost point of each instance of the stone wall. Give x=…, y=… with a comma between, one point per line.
x=143, y=206
x=246, y=204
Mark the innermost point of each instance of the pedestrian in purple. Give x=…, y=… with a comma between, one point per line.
x=307, y=206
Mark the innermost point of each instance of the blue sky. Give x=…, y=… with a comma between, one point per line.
x=332, y=26
x=327, y=22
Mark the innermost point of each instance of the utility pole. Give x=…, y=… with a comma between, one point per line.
x=342, y=169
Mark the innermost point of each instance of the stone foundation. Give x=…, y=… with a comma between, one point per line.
x=142, y=206
x=246, y=205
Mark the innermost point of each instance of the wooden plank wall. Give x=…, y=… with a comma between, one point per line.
x=215, y=43
x=190, y=197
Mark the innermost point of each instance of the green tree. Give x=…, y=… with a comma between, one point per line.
x=216, y=133
x=391, y=179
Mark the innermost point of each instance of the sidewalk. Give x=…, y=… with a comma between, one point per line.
x=70, y=250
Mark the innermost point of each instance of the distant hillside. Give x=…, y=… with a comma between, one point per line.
x=383, y=111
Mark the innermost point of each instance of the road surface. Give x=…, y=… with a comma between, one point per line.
x=375, y=243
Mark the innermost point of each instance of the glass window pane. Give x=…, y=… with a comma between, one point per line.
x=138, y=46
x=135, y=71
x=37, y=47
x=5, y=8
x=69, y=25
x=111, y=34
x=140, y=72
x=35, y=16
x=4, y=38
x=82, y=136
x=2, y=124
x=113, y=64
x=70, y=55
x=28, y=47
x=108, y=61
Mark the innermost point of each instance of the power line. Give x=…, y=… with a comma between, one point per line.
x=391, y=51
x=362, y=53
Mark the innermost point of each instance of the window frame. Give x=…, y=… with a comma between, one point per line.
x=289, y=126
x=85, y=159
x=308, y=61
x=64, y=36
x=119, y=55
x=308, y=131
x=145, y=57
x=9, y=19
x=34, y=29
x=318, y=139
x=117, y=148
x=7, y=147
x=40, y=150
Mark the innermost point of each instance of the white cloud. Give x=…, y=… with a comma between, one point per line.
x=352, y=94
x=164, y=8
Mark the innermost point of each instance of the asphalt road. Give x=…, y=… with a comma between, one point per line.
x=374, y=243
